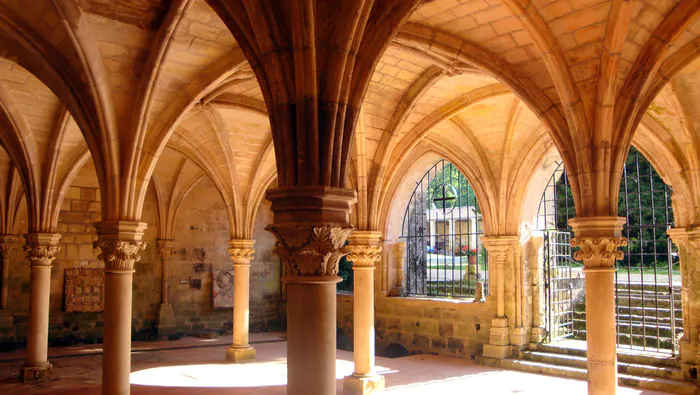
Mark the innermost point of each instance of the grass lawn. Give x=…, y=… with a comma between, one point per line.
x=649, y=270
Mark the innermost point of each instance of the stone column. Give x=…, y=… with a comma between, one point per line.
x=311, y=226
x=499, y=249
x=41, y=250
x=399, y=251
x=688, y=244
x=364, y=251
x=120, y=243
x=598, y=239
x=241, y=252
x=166, y=316
x=8, y=249
x=536, y=266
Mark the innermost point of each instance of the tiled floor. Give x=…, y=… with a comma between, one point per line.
x=194, y=366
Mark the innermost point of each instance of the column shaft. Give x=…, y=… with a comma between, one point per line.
x=116, y=356
x=164, y=282
x=399, y=252
x=363, y=329
x=598, y=239
x=241, y=253
x=120, y=243
x=38, y=334
x=688, y=243
x=8, y=249
x=166, y=316
x=4, y=287
x=41, y=249
x=241, y=302
x=311, y=342
x=364, y=251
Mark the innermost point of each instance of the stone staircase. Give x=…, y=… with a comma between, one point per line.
x=643, y=316
x=654, y=372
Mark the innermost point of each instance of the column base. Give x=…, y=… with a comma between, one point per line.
x=496, y=351
x=363, y=385
x=240, y=354
x=166, y=320
x=537, y=334
x=498, y=335
x=499, y=342
x=519, y=337
x=33, y=374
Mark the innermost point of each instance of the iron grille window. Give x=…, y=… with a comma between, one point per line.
x=647, y=280
x=442, y=228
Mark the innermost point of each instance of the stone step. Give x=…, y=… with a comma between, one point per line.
x=661, y=294
x=649, y=328
x=649, y=317
x=622, y=355
x=647, y=286
x=639, y=310
x=646, y=302
x=653, y=383
x=650, y=343
x=663, y=372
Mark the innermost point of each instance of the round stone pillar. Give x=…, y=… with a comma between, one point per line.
x=241, y=253
x=364, y=251
x=41, y=250
x=311, y=225
x=598, y=239
x=120, y=243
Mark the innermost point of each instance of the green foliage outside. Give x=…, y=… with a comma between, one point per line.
x=346, y=273
x=462, y=193
x=641, y=186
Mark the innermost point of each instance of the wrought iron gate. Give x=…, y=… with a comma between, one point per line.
x=647, y=280
x=560, y=290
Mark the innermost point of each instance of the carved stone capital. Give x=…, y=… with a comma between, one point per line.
x=308, y=250
x=598, y=239
x=119, y=255
x=363, y=256
x=41, y=248
x=41, y=255
x=687, y=240
x=165, y=248
x=240, y=251
x=499, y=247
x=9, y=246
x=120, y=243
x=598, y=252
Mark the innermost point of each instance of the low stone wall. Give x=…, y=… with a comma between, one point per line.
x=423, y=326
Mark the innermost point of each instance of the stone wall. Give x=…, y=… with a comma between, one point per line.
x=201, y=235
x=423, y=326
x=418, y=325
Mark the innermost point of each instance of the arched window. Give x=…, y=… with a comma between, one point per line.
x=442, y=228
x=647, y=280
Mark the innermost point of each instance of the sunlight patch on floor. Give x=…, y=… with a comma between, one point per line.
x=254, y=374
